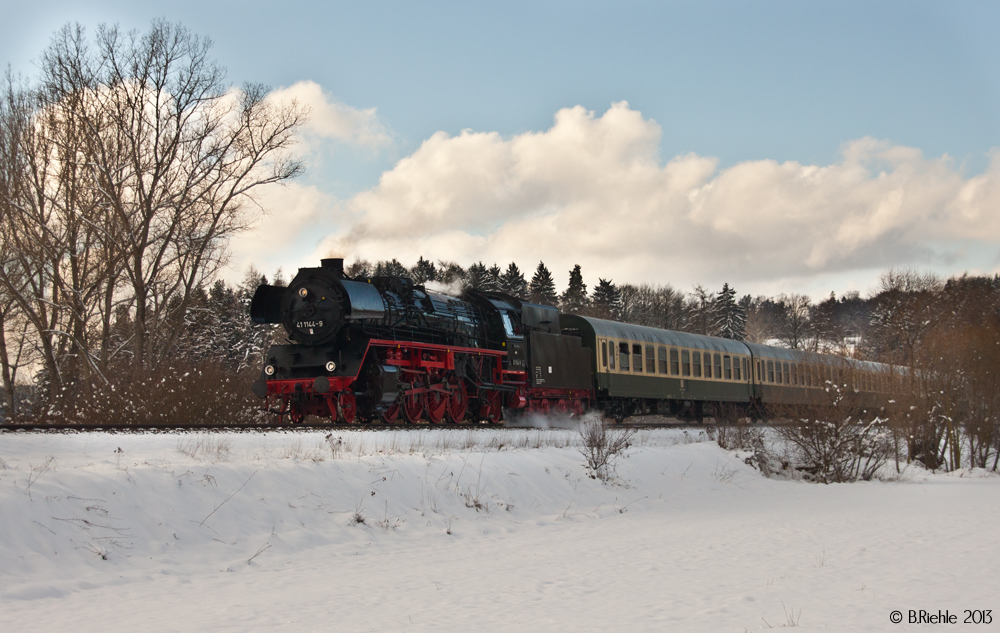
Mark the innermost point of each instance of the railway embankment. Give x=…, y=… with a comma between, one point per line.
x=258, y=531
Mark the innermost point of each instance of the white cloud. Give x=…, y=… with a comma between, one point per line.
x=332, y=120
x=292, y=212
x=592, y=190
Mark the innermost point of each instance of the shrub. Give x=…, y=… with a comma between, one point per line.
x=603, y=446
x=838, y=449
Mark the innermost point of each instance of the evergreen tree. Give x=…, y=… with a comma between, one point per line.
x=361, y=269
x=494, y=277
x=476, y=277
x=543, y=287
x=513, y=282
x=391, y=269
x=424, y=271
x=607, y=300
x=574, y=299
x=449, y=272
x=728, y=318
x=824, y=323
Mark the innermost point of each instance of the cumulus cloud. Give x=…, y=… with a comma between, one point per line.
x=332, y=120
x=593, y=190
x=290, y=214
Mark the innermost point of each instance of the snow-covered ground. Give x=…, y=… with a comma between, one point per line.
x=498, y=530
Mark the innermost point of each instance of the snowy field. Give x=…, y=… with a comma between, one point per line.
x=493, y=530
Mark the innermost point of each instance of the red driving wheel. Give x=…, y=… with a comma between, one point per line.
x=458, y=402
x=390, y=414
x=435, y=402
x=413, y=408
x=495, y=411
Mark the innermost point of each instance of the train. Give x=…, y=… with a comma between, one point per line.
x=385, y=349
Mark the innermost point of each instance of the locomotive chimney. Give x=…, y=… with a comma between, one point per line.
x=335, y=265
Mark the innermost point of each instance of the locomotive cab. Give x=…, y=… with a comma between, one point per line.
x=504, y=326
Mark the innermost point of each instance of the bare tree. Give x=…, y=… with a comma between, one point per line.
x=699, y=309
x=123, y=175
x=794, y=325
x=654, y=306
x=34, y=233
x=903, y=314
x=177, y=157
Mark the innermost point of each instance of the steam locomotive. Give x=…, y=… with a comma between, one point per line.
x=386, y=349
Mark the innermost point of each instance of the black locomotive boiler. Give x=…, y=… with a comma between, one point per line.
x=384, y=348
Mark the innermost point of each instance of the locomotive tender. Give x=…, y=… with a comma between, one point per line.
x=384, y=348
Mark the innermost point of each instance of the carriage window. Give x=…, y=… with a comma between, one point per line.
x=604, y=353
x=770, y=370
x=650, y=360
x=686, y=363
x=612, y=357
x=623, y=356
x=795, y=374
x=760, y=371
x=697, y=364
x=661, y=356
x=637, y=358
x=727, y=367
x=718, y=365
x=675, y=365
x=746, y=368
x=777, y=371
x=785, y=366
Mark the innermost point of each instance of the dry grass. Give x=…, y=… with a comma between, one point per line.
x=211, y=447
x=363, y=443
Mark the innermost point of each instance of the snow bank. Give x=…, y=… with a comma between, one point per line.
x=495, y=530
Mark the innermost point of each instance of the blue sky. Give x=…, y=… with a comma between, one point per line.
x=736, y=82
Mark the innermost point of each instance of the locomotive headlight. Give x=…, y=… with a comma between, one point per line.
x=303, y=292
x=330, y=366
x=269, y=370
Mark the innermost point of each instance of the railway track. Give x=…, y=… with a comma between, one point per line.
x=43, y=427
